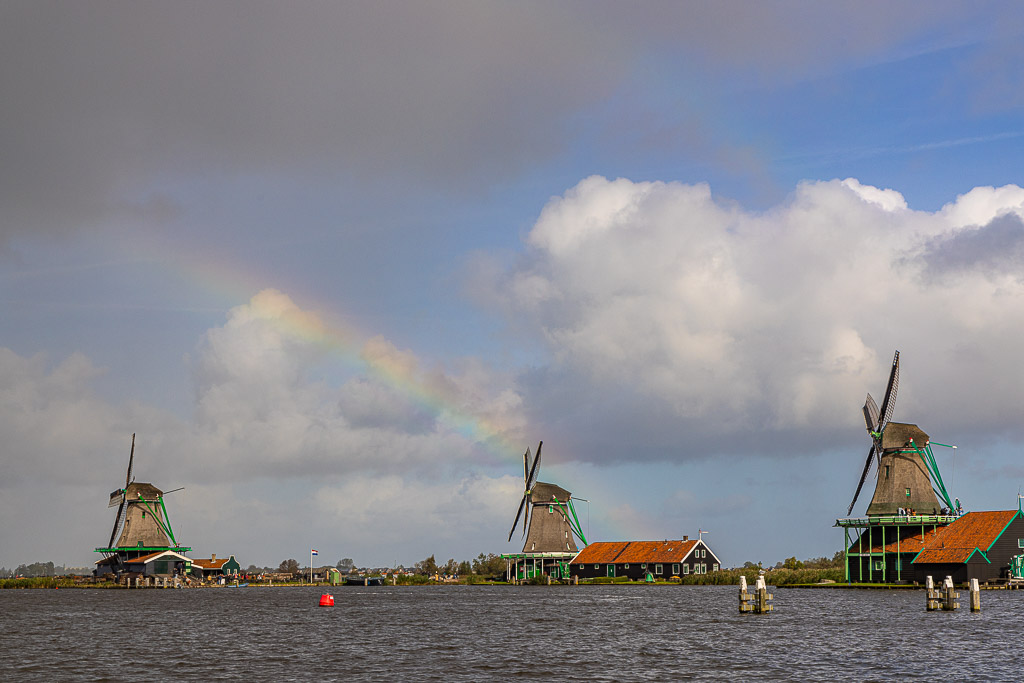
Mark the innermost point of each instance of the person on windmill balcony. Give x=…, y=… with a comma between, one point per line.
x=901, y=512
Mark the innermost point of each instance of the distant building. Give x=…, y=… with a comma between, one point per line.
x=205, y=568
x=640, y=560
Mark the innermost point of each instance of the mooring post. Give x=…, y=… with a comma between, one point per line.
x=975, y=596
x=745, y=597
x=949, y=595
x=763, y=603
x=931, y=595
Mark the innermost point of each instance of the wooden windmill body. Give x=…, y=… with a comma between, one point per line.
x=549, y=529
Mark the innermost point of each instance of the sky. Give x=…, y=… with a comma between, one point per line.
x=338, y=265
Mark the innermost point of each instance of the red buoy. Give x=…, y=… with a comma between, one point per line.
x=327, y=600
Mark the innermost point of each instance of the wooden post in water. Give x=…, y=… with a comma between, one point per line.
x=762, y=604
x=975, y=596
x=949, y=595
x=931, y=595
x=746, y=599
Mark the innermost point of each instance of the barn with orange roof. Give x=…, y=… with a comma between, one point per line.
x=640, y=560
x=978, y=545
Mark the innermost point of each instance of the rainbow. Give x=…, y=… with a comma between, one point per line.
x=317, y=324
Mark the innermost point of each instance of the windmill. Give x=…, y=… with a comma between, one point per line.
x=907, y=474
x=550, y=524
x=141, y=524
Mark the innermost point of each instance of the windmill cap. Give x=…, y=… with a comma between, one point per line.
x=142, y=490
x=900, y=434
x=546, y=493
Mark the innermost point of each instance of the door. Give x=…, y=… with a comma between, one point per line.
x=611, y=571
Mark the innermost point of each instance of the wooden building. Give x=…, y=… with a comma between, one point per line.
x=203, y=568
x=644, y=560
x=165, y=563
x=976, y=545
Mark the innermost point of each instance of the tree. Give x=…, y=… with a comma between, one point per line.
x=427, y=566
x=289, y=567
x=792, y=563
x=345, y=565
x=488, y=565
x=465, y=569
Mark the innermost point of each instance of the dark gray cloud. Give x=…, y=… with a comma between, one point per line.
x=106, y=102
x=995, y=249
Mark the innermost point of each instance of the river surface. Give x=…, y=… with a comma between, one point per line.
x=474, y=633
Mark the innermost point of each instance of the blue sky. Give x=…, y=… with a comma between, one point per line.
x=678, y=242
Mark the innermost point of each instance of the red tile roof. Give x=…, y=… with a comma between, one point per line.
x=958, y=541
x=210, y=564
x=600, y=552
x=610, y=552
x=152, y=556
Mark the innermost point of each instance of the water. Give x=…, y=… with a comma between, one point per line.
x=472, y=633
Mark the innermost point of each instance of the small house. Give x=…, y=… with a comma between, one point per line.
x=165, y=563
x=644, y=560
x=206, y=568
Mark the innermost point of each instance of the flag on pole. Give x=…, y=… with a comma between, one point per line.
x=313, y=552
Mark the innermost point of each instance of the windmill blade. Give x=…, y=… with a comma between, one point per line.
x=116, y=497
x=889, y=401
x=118, y=521
x=518, y=515
x=526, y=468
x=871, y=414
x=131, y=462
x=863, y=476
x=532, y=479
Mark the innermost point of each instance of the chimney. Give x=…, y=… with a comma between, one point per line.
x=213, y=557
x=686, y=538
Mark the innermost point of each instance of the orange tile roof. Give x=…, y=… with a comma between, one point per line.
x=608, y=552
x=153, y=556
x=656, y=551
x=600, y=552
x=958, y=541
x=944, y=555
x=210, y=564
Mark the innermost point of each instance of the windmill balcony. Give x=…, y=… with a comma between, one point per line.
x=895, y=520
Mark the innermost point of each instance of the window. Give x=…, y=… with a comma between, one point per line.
x=597, y=566
x=703, y=569
x=887, y=471
x=644, y=565
x=626, y=566
x=551, y=509
x=657, y=569
x=714, y=567
x=1020, y=542
x=686, y=569
x=878, y=565
x=908, y=493
x=675, y=570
